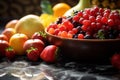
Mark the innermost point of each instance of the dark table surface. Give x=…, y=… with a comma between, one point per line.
x=22, y=69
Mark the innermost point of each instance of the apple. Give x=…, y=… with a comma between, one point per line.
x=11, y=24
x=29, y=24
x=35, y=43
x=3, y=45
x=3, y=37
x=9, y=32
x=17, y=41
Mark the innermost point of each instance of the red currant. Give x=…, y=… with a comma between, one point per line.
x=76, y=18
x=104, y=20
x=64, y=34
x=68, y=25
x=92, y=18
x=110, y=22
x=86, y=22
x=80, y=36
x=51, y=30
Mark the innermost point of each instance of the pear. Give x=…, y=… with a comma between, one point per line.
x=82, y=4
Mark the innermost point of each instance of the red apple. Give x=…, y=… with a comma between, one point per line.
x=9, y=32
x=36, y=43
x=3, y=45
x=3, y=37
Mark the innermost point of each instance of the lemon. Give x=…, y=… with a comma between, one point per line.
x=47, y=19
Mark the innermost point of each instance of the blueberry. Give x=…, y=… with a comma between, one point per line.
x=79, y=28
x=75, y=36
x=76, y=24
x=87, y=37
x=111, y=36
x=82, y=32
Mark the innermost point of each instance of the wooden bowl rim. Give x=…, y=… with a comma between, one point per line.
x=86, y=40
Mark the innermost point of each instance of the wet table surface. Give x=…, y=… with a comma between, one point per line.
x=22, y=69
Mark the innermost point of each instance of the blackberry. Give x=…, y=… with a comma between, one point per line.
x=59, y=21
x=75, y=36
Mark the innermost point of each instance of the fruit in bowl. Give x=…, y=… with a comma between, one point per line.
x=89, y=35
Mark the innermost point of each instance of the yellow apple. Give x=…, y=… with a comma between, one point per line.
x=29, y=24
x=17, y=41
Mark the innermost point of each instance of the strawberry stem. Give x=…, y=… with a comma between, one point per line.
x=31, y=49
x=9, y=48
x=43, y=34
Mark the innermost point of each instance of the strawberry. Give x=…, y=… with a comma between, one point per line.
x=49, y=53
x=10, y=53
x=32, y=54
x=115, y=60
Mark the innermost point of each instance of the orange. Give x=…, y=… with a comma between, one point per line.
x=17, y=41
x=60, y=8
x=47, y=19
x=9, y=32
x=11, y=24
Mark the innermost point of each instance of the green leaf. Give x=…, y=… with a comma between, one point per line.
x=101, y=34
x=46, y=7
x=9, y=48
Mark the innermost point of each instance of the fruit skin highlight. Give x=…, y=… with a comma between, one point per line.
x=49, y=53
x=29, y=24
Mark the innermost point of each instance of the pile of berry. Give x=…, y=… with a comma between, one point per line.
x=92, y=23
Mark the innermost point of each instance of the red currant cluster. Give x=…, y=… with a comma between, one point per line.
x=92, y=23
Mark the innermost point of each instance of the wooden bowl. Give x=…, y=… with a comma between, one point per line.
x=88, y=50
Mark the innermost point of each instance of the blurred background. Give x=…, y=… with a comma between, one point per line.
x=15, y=9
